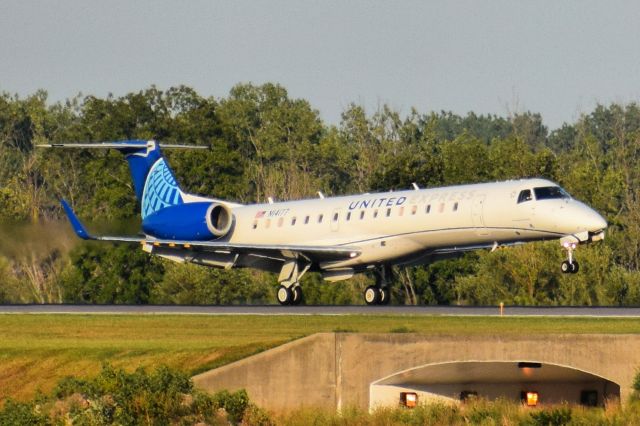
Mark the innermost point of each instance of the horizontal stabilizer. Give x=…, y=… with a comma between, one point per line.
x=130, y=144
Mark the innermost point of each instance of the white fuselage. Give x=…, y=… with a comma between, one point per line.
x=394, y=225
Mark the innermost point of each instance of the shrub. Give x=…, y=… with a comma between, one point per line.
x=554, y=417
x=22, y=413
x=114, y=396
x=234, y=404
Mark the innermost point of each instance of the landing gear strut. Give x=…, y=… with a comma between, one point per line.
x=289, y=292
x=569, y=266
x=379, y=294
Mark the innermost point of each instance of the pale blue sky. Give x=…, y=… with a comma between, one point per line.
x=558, y=58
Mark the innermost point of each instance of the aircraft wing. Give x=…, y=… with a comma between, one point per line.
x=463, y=249
x=276, y=251
x=432, y=255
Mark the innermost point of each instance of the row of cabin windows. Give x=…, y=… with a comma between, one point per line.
x=336, y=216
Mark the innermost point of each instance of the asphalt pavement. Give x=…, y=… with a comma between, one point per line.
x=322, y=310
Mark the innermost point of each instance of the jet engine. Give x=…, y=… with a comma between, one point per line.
x=199, y=221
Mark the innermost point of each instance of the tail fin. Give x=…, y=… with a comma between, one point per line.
x=154, y=182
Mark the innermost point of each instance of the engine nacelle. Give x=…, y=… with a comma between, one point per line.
x=219, y=219
x=199, y=221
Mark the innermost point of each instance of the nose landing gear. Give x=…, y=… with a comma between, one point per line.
x=569, y=266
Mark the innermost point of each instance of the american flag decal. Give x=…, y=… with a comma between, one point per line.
x=260, y=214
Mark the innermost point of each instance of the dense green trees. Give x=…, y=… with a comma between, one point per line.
x=264, y=143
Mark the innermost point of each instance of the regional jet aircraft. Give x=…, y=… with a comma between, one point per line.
x=343, y=236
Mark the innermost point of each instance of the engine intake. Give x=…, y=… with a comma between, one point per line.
x=219, y=219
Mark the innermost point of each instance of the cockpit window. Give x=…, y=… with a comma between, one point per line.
x=550, y=192
x=525, y=195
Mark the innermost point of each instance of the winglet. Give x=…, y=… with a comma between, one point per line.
x=77, y=226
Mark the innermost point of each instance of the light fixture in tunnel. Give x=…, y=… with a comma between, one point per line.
x=530, y=398
x=408, y=399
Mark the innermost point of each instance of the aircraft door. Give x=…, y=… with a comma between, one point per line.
x=335, y=220
x=477, y=214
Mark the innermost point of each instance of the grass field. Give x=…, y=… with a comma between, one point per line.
x=37, y=350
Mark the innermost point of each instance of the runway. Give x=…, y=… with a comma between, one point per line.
x=321, y=310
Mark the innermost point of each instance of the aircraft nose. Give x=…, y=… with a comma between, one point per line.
x=595, y=222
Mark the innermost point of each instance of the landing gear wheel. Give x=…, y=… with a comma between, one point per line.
x=385, y=296
x=284, y=295
x=566, y=267
x=296, y=295
x=575, y=267
x=371, y=295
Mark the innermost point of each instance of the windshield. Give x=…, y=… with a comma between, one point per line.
x=550, y=192
x=525, y=195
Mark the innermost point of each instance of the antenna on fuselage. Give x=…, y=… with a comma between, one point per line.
x=415, y=186
x=270, y=200
x=321, y=195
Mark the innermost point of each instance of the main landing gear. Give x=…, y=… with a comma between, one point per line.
x=379, y=294
x=289, y=292
x=289, y=296
x=569, y=266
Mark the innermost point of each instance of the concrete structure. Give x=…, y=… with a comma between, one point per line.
x=336, y=370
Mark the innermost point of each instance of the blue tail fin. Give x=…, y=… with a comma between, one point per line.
x=155, y=185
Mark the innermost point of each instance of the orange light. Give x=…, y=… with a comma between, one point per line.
x=409, y=399
x=532, y=399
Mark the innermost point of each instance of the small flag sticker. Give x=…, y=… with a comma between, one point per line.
x=260, y=214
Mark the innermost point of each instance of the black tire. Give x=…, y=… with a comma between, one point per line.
x=284, y=295
x=385, y=296
x=565, y=267
x=575, y=267
x=297, y=296
x=371, y=295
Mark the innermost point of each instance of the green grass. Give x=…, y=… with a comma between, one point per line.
x=37, y=350
x=480, y=412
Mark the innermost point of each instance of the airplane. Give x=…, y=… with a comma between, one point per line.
x=344, y=235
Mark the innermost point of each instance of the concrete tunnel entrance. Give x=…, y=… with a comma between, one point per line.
x=530, y=382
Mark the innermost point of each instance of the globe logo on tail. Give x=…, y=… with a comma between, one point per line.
x=161, y=189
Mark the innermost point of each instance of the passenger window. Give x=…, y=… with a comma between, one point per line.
x=362, y=215
x=255, y=224
x=414, y=209
x=320, y=218
x=306, y=220
x=293, y=221
x=455, y=206
x=349, y=216
x=375, y=214
x=428, y=209
x=335, y=217
x=388, y=212
x=525, y=195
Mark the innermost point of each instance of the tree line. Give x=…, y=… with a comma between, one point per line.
x=263, y=143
